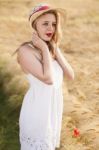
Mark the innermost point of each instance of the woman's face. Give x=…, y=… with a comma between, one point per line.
x=46, y=26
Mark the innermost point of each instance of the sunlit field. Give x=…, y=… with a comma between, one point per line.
x=80, y=46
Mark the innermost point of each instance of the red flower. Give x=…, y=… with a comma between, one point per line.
x=76, y=132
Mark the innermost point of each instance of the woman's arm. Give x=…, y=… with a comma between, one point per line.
x=67, y=69
x=29, y=63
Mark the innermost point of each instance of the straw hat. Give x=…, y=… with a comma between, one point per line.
x=42, y=8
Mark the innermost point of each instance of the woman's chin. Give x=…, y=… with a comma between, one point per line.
x=47, y=39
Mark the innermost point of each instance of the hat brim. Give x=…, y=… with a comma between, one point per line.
x=61, y=11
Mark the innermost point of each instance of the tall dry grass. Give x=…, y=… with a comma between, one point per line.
x=80, y=46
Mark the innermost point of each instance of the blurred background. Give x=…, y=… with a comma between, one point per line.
x=80, y=46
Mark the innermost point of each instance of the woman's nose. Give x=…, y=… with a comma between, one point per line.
x=50, y=27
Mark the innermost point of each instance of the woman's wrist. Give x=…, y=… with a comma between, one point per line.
x=44, y=48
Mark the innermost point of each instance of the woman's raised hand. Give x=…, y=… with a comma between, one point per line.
x=38, y=42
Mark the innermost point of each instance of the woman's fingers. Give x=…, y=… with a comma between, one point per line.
x=38, y=42
x=35, y=33
x=35, y=36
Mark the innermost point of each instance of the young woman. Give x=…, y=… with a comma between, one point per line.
x=45, y=66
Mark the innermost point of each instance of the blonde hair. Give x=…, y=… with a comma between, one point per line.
x=57, y=36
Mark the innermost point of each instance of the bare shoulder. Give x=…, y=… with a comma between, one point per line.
x=25, y=49
x=28, y=49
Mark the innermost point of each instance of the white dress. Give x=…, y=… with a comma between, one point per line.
x=41, y=113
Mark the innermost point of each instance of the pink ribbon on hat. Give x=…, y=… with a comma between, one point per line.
x=37, y=9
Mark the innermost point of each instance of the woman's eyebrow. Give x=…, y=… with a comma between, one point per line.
x=49, y=21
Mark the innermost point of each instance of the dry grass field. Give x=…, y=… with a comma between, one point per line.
x=80, y=45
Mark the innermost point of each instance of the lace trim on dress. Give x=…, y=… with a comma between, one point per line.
x=38, y=143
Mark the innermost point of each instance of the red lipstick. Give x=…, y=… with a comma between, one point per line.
x=49, y=34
